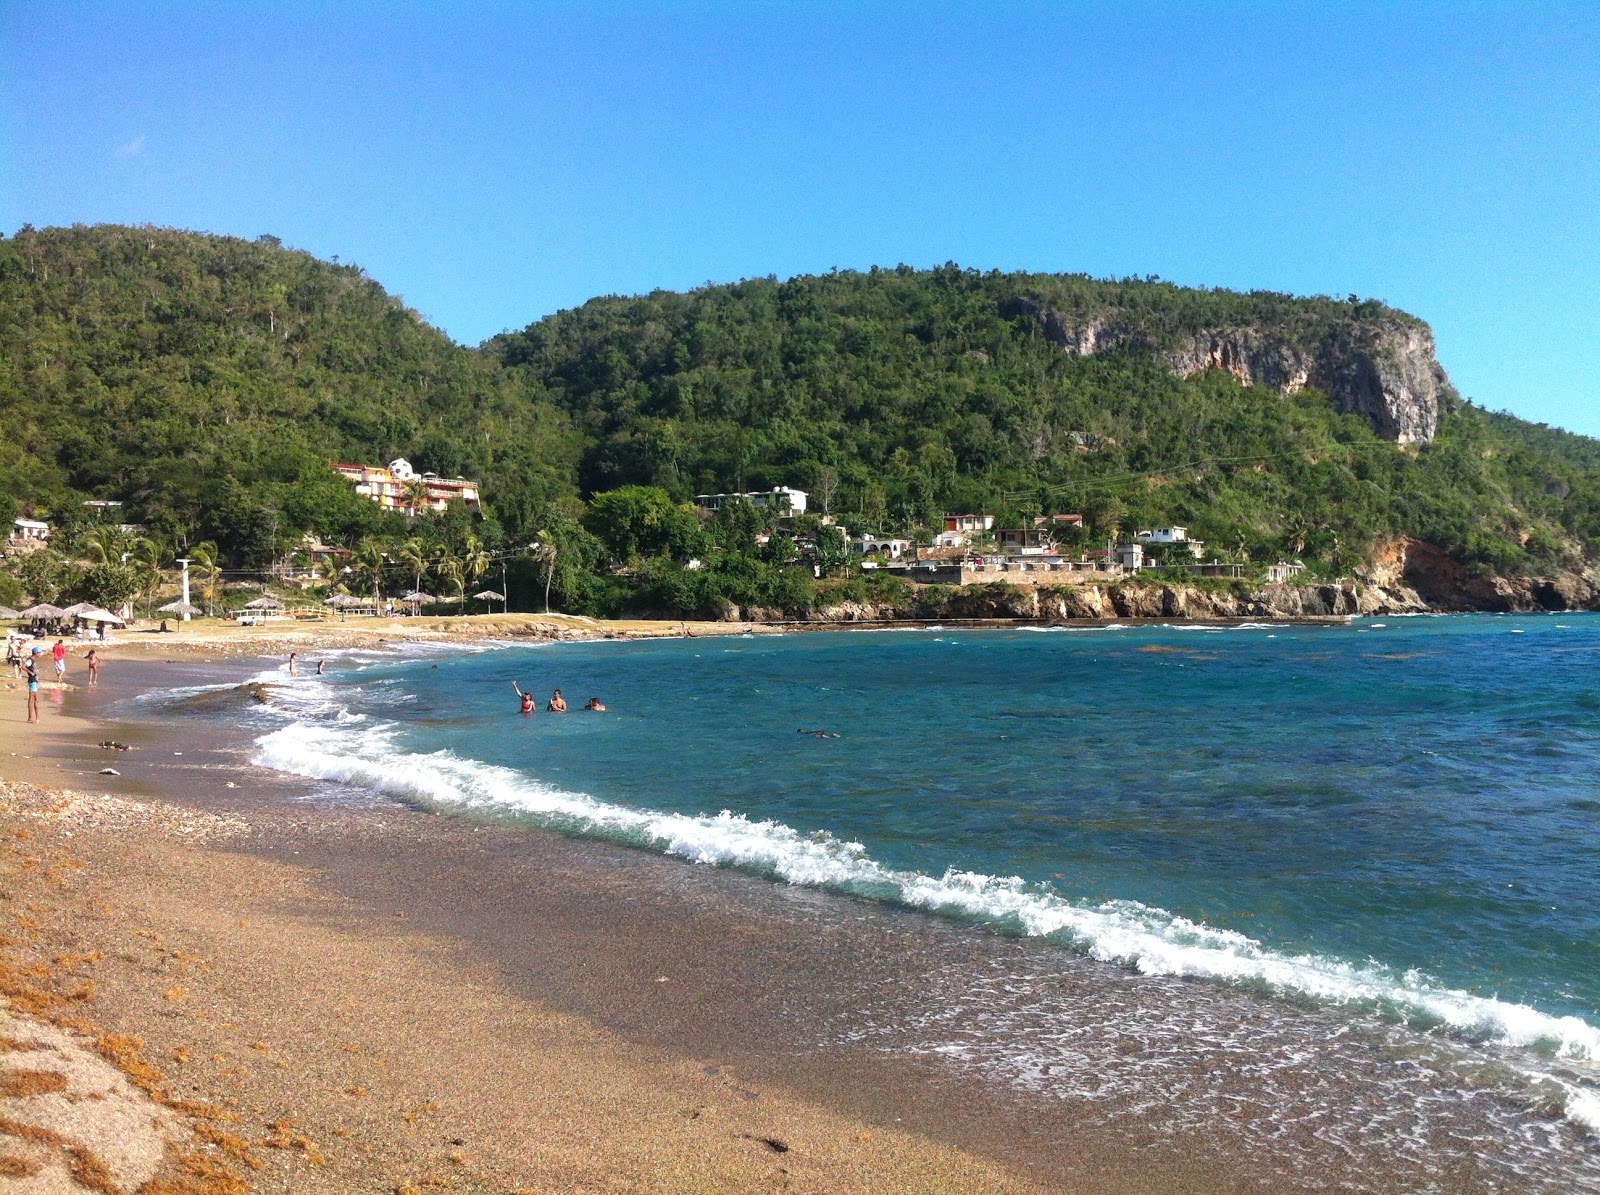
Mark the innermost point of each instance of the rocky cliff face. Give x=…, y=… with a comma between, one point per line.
x=1383, y=369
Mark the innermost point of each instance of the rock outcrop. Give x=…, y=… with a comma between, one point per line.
x=1382, y=367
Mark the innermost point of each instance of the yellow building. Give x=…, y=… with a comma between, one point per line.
x=399, y=487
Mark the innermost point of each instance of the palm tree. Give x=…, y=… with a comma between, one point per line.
x=415, y=555
x=368, y=561
x=145, y=558
x=450, y=571
x=204, y=558
x=416, y=492
x=546, y=550
x=475, y=560
x=328, y=569
x=103, y=544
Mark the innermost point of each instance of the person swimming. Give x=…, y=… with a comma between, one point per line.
x=558, y=703
x=595, y=706
x=527, y=698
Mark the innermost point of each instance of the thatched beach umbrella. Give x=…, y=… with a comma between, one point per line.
x=178, y=607
x=489, y=595
x=42, y=611
x=264, y=603
x=8, y=612
x=79, y=609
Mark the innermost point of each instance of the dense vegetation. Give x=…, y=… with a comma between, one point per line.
x=206, y=382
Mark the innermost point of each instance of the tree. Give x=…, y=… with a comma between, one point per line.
x=369, y=562
x=449, y=570
x=415, y=555
x=146, y=559
x=203, y=560
x=474, y=559
x=827, y=487
x=107, y=585
x=546, y=549
x=640, y=520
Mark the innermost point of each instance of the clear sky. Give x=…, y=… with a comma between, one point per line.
x=494, y=163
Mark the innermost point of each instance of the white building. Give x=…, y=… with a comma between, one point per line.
x=951, y=539
x=784, y=499
x=29, y=531
x=1132, y=556
x=880, y=545
x=969, y=523
x=1284, y=570
x=1173, y=535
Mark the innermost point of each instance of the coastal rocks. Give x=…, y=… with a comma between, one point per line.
x=1441, y=583
x=1380, y=367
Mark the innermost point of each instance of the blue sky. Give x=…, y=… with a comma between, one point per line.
x=494, y=163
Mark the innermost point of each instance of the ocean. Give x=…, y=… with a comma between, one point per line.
x=1328, y=891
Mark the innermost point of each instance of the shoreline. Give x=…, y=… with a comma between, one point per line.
x=225, y=934
x=693, y=1015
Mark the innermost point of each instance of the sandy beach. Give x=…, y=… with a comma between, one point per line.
x=238, y=1002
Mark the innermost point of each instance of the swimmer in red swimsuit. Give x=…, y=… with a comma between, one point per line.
x=527, y=698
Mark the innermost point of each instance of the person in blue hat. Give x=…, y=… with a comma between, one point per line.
x=30, y=669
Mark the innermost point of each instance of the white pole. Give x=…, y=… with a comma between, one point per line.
x=185, y=614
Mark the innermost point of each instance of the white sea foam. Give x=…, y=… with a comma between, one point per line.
x=353, y=750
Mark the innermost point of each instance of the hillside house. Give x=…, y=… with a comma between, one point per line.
x=969, y=524
x=27, y=534
x=1024, y=541
x=399, y=487
x=1284, y=570
x=880, y=545
x=1058, y=521
x=786, y=500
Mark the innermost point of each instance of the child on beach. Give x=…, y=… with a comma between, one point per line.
x=527, y=698
x=31, y=671
x=93, y=660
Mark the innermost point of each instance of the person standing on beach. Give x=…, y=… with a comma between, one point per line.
x=527, y=698
x=30, y=669
x=558, y=703
x=59, y=654
x=294, y=666
x=93, y=660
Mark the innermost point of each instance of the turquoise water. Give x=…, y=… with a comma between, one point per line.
x=1399, y=817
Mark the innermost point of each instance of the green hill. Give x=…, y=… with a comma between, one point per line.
x=206, y=382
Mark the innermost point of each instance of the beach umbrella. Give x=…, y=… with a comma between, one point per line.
x=80, y=608
x=178, y=607
x=344, y=601
x=419, y=597
x=95, y=614
x=42, y=610
x=489, y=595
x=264, y=603
x=8, y=612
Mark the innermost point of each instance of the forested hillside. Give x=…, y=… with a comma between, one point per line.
x=206, y=382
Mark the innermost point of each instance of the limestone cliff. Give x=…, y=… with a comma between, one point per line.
x=1381, y=367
